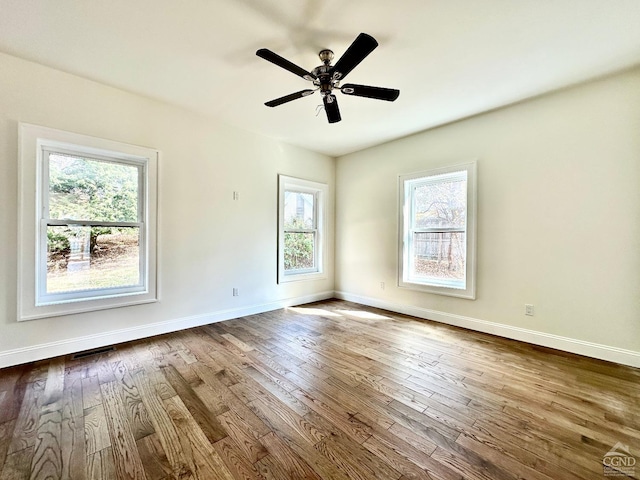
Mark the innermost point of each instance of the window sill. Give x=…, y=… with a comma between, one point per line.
x=468, y=293
x=300, y=277
x=71, y=308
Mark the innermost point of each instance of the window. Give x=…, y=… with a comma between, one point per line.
x=300, y=229
x=93, y=238
x=437, y=231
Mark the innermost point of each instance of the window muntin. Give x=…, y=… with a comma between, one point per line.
x=437, y=236
x=301, y=225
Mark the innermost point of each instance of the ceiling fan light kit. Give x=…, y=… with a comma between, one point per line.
x=327, y=77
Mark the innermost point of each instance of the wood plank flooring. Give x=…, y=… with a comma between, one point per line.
x=331, y=390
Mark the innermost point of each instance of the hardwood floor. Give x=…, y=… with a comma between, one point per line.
x=331, y=390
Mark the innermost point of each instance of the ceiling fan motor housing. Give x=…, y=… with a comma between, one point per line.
x=324, y=77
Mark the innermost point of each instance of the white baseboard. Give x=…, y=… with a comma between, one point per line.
x=64, y=347
x=572, y=345
x=88, y=342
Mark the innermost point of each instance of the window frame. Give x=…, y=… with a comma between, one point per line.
x=406, y=187
x=319, y=192
x=36, y=144
x=44, y=298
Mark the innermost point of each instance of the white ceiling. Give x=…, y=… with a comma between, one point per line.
x=449, y=58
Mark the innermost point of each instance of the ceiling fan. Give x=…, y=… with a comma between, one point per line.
x=327, y=77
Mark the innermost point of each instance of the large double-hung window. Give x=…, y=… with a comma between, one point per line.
x=92, y=232
x=88, y=234
x=437, y=231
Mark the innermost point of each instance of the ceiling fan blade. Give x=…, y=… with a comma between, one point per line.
x=331, y=107
x=362, y=46
x=276, y=59
x=288, y=98
x=379, y=93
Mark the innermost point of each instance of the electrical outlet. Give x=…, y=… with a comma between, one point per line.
x=381, y=285
x=235, y=292
x=236, y=195
x=528, y=309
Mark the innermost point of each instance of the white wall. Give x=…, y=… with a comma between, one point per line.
x=558, y=219
x=559, y=203
x=208, y=242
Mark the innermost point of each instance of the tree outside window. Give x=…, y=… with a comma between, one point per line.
x=301, y=229
x=437, y=231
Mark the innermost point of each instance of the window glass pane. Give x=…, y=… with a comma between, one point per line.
x=299, y=251
x=86, y=258
x=298, y=210
x=86, y=189
x=439, y=255
x=441, y=204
